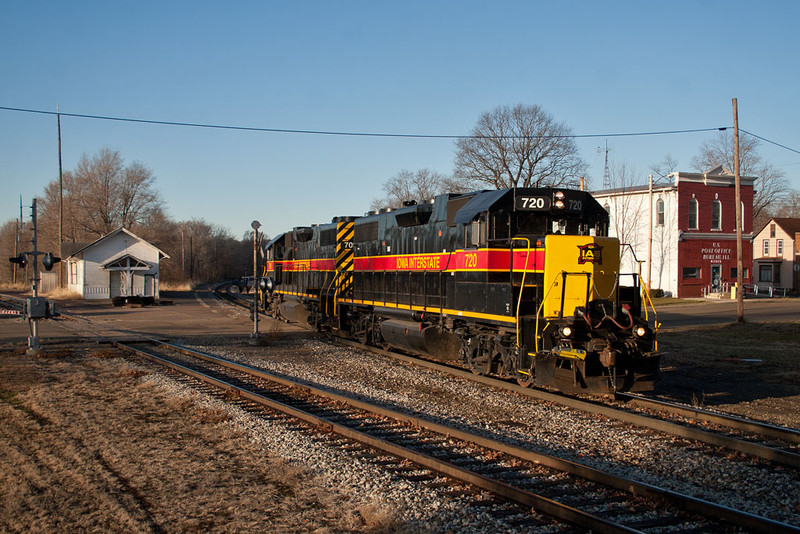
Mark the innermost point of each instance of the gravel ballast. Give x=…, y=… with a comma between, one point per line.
x=595, y=441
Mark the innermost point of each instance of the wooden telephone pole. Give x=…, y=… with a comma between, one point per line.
x=737, y=178
x=60, y=205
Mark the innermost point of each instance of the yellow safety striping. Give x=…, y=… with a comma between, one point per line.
x=574, y=354
x=345, y=232
x=428, y=309
x=345, y=259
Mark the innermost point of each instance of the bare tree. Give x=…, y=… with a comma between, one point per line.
x=421, y=185
x=521, y=146
x=789, y=206
x=770, y=187
x=100, y=195
x=663, y=168
x=626, y=209
x=9, y=246
x=200, y=251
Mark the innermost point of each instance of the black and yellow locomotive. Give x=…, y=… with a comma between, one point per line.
x=520, y=283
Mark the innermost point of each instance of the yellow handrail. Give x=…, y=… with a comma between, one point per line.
x=645, y=291
x=522, y=287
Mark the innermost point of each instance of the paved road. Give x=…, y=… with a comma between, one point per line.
x=191, y=313
x=714, y=312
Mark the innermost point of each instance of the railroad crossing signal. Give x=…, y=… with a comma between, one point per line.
x=21, y=260
x=49, y=260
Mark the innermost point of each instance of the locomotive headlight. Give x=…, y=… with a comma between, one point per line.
x=559, y=195
x=559, y=204
x=639, y=331
x=565, y=331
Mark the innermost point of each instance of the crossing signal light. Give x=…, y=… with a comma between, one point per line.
x=21, y=260
x=49, y=260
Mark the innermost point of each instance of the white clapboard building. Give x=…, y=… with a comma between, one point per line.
x=120, y=264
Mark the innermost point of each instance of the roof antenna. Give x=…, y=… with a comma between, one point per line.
x=606, y=174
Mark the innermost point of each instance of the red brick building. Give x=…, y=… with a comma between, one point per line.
x=693, y=234
x=707, y=231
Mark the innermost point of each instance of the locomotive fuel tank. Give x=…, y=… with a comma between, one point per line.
x=293, y=310
x=416, y=337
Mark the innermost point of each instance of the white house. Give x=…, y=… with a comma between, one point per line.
x=120, y=264
x=777, y=254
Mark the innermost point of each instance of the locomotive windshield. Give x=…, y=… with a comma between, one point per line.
x=533, y=224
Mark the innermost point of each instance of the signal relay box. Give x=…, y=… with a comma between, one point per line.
x=36, y=308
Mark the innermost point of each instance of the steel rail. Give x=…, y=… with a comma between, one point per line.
x=14, y=302
x=750, y=448
x=788, y=435
x=680, y=501
x=641, y=420
x=526, y=498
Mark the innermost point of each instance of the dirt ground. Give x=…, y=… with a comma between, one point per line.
x=752, y=369
x=88, y=444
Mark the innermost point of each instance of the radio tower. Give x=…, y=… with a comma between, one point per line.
x=606, y=175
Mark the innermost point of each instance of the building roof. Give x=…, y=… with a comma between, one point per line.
x=118, y=231
x=69, y=249
x=128, y=261
x=719, y=175
x=789, y=225
x=639, y=188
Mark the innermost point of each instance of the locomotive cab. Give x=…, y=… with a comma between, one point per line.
x=578, y=327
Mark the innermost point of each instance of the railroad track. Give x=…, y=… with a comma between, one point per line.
x=757, y=439
x=566, y=491
x=634, y=506
x=13, y=306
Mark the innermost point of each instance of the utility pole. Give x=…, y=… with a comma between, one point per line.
x=33, y=340
x=16, y=253
x=255, y=225
x=737, y=178
x=36, y=307
x=650, y=236
x=60, y=204
x=183, y=257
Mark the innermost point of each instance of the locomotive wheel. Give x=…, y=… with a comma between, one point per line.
x=476, y=362
x=525, y=379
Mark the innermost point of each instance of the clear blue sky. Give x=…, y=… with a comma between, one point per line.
x=421, y=67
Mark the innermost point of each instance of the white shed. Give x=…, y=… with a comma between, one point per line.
x=120, y=264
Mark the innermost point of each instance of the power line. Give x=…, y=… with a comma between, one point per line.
x=771, y=142
x=351, y=134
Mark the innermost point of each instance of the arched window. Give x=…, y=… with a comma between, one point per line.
x=742, y=216
x=660, y=212
x=693, y=214
x=716, y=215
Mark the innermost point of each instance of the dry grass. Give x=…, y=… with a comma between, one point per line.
x=378, y=517
x=19, y=286
x=60, y=293
x=776, y=344
x=177, y=286
x=88, y=445
x=750, y=369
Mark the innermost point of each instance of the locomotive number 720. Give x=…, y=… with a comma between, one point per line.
x=533, y=203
